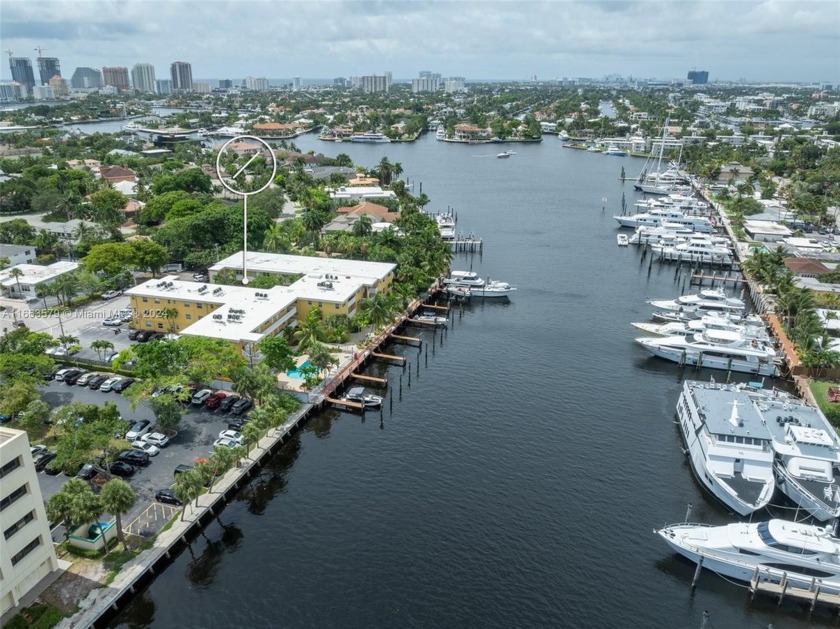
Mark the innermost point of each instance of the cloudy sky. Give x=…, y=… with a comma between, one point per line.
x=757, y=40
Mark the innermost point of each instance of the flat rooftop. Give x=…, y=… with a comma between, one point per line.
x=315, y=286
x=35, y=273
x=259, y=262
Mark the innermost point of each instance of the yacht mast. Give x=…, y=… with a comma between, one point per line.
x=661, y=149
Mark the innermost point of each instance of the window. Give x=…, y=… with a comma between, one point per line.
x=160, y=325
x=188, y=317
x=10, y=466
x=26, y=550
x=145, y=300
x=187, y=305
x=157, y=301
x=199, y=305
x=148, y=324
x=13, y=497
x=19, y=524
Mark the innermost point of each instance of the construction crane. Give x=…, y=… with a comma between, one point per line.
x=10, y=53
x=39, y=50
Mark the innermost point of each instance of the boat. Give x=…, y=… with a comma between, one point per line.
x=657, y=217
x=505, y=154
x=201, y=133
x=612, y=149
x=728, y=445
x=751, y=326
x=461, y=292
x=776, y=551
x=658, y=183
x=493, y=289
x=431, y=318
x=132, y=126
x=622, y=240
x=716, y=349
x=358, y=395
x=708, y=298
x=464, y=278
x=445, y=221
x=694, y=250
x=369, y=137
x=594, y=149
x=440, y=133
x=671, y=234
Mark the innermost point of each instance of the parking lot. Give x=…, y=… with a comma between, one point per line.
x=196, y=433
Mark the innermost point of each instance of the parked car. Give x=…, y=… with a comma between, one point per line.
x=241, y=405
x=54, y=372
x=200, y=397
x=87, y=472
x=200, y=277
x=44, y=459
x=156, y=439
x=111, y=356
x=60, y=351
x=126, y=316
x=225, y=443
x=74, y=377
x=112, y=322
x=108, y=385
x=86, y=378
x=61, y=373
x=138, y=429
x=132, y=334
x=238, y=423
x=143, y=336
x=148, y=448
x=231, y=434
x=35, y=451
x=121, y=468
x=230, y=400
x=97, y=381
x=180, y=469
x=111, y=294
x=214, y=400
x=167, y=496
x=123, y=384
x=52, y=468
x=134, y=457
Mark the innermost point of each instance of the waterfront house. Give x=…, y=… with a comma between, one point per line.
x=734, y=171
x=806, y=267
x=471, y=133
x=116, y=174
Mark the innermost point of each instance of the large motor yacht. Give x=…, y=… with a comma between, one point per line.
x=708, y=299
x=656, y=217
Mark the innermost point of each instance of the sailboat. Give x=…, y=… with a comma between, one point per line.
x=659, y=182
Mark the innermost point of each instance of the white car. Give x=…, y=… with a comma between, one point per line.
x=225, y=443
x=231, y=434
x=148, y=448
x=138, y=429
x=109, y=384
x=156, y=439
x=59, y=375
x=86, y=378
x=113, y=322
x=58, y=350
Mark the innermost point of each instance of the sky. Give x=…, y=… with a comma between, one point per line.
x=764, y=40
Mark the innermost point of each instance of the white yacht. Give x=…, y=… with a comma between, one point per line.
x=445, y=221
x=464, y=278
x=369, y=137
x=694, y=250
x=612, y=149
x=672, y=234
x=656, y=217
x=752, y=326
x=728, y=445
x=131, y=126
x=431, y=318
x=505, y=154
x=715, y=349
x=493, y=289
x=773, y=550
x=708, y=299
x=440, y=134
x=358, y=395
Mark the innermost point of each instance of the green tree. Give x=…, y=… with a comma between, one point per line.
x=118, y=498
x=75, y=504
x=363, y=226
x=100, y=346
x=167, y=411
x=148, y=256
x=17, y=396
x=109, y=258
x=188, y=486
x=278, y=355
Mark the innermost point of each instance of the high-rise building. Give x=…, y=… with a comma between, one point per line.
x=698, y=77
x=256, y=84
x=225, y=84
x=181, y=72
x=454, y=84
x=340, y=81
x=48, y=67
x=59, y=87
x=427, y=82
x=375, y=83
x=164, y=86
x=116, y=77
x=201, y=88
x=143, y=77
x=21, y=68
x=27, y=554
x=12, y=92
x=42, y=92
x=296, y=84
x=86, y=78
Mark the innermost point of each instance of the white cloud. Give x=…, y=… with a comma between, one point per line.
x=771, y=39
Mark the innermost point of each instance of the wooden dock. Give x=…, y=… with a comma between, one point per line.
x=466, y=245
x=782, y=589
x=376, y=379
x=407, y=339
x=699, y=278
x=434, y=307
x=387, y=356
x=356, y=406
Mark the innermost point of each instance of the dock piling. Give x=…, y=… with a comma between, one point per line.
x=697, y=574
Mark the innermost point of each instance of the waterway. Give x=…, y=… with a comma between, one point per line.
x=519, y=478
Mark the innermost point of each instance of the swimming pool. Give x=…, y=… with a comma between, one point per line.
x=297, y=372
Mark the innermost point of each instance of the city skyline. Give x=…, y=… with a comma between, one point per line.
x=753, y=40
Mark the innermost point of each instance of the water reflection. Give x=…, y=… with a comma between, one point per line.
x=271, y=479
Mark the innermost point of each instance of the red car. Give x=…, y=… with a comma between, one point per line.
x=214, y=400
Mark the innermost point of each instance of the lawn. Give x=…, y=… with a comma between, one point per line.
x=819, y=389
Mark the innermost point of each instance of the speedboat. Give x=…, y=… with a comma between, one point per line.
x=493, y=289
x=709, y=298
x=504, y=154
x=458, y=291
x=773, y=551
x=728, y=445
x=431, y=318
x=358, y=395
x=716, y=349
x=622, y=240
x=464, y=278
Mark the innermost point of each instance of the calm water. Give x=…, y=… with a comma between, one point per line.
x=519, y=478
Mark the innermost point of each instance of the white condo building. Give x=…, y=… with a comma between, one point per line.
x=27, y=555
x=143, y=78
x=257, y=84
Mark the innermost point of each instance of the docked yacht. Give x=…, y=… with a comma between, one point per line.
x=672, y=234
x=493, y=289
x=431, y=319
x=708, y=299
x=358, y=395
x=469, y=279
x=132, y=126
x=612, y=149
x=728, y=445
x=694, y=250
x=751, y=326
x=440, y=133
x=656, y=217
x=773, y=551
x=715, y=349
x=445, y=221
x=369, y=137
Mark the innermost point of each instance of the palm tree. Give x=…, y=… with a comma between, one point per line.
x=385, y=170
x=251, y=434
x=68, y=339
x=42, y=291
x=380, y=308
x=66, y=286
x=187, y=488
x=118, y=498
x=313, y=221
x=221, y=461
x=74, y=505
x=100, y=346
x=363, y=226
x=275, y=240
x=320, y=356
x=16, y=273
x=307, y=334
x=397, y=169
x=170, y=314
